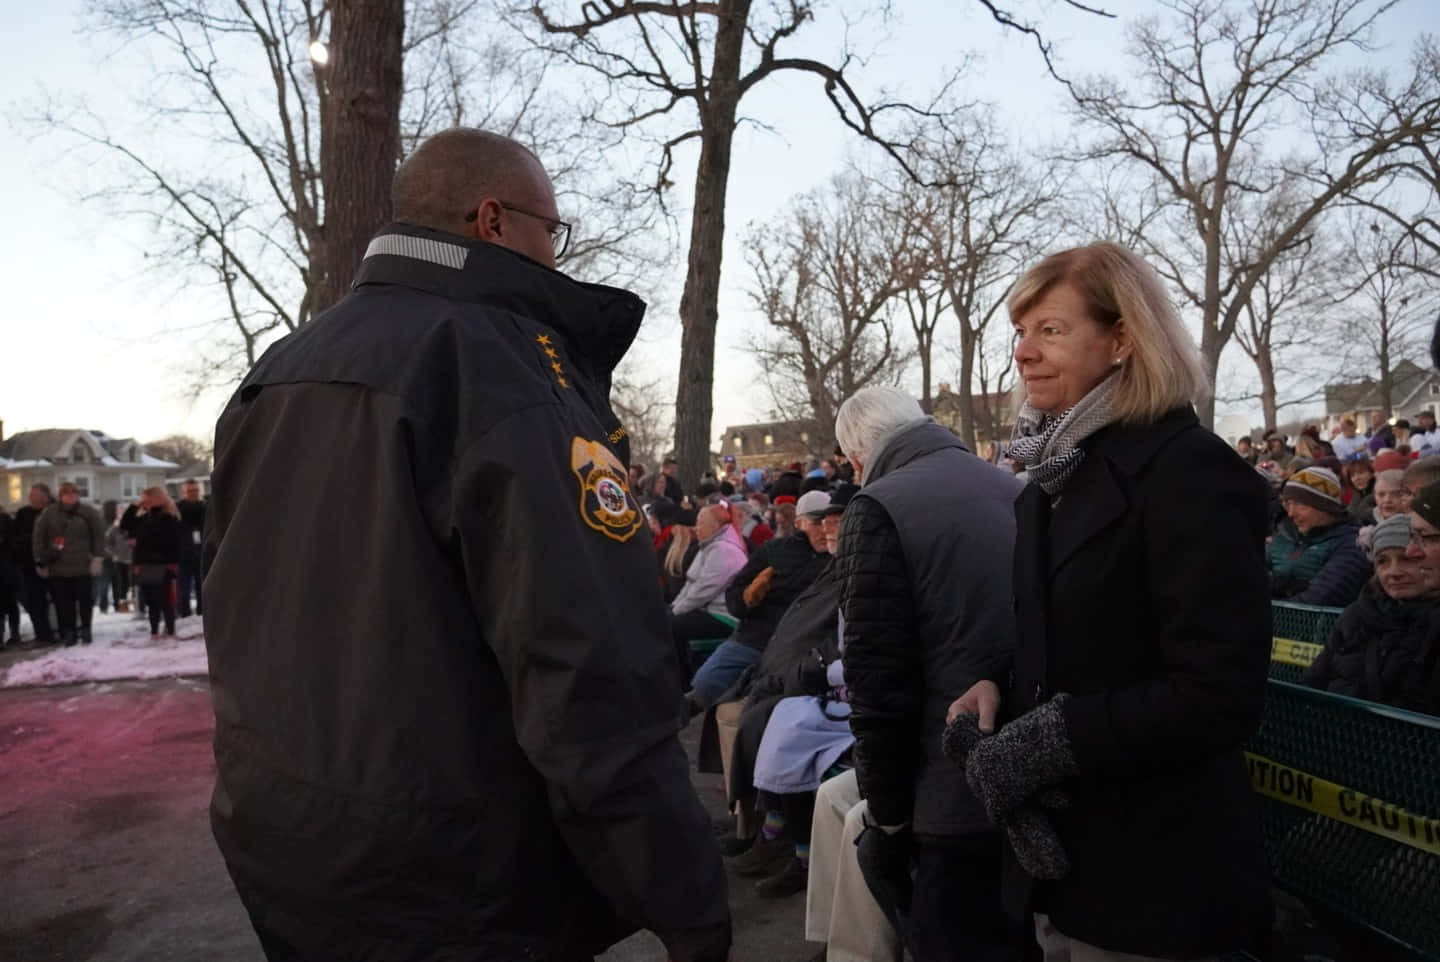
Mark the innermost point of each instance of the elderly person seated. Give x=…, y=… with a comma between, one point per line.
x=758, y=595
x=698, y=611
x=1313, y=557
x=1386, y=645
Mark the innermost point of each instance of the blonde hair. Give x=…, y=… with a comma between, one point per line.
x=1163, y=369
x=681, y=537
x=160, y=496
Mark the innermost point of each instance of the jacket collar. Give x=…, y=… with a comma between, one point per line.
x=1130, y=448
x=598, y=322
x=912, y=440
x=1095, y=497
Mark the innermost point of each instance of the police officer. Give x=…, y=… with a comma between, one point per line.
x=446, y=712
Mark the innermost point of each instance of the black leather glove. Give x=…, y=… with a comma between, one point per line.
x=884, y=859
x=808, y=677
x=1023, y=759
x=1032, y=835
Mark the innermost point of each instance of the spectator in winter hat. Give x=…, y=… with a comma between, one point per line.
x=1389, y=460
x=1382, y=648
x=1313, y=557
x=1425, y=530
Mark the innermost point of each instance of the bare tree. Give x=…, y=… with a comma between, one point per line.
x=658, y=60
x=231, y=174
x=828, y=279
x=693, y=63
x=359, y=131
x=1409, y=195
x=1216, y=81
x=1389, y=305
x=987, y=217
x=643, y=407
x=182, y=449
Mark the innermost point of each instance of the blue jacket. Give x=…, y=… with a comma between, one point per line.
x=1324, y=567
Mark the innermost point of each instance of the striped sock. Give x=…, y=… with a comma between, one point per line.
x=773, y=826
x=802, y=853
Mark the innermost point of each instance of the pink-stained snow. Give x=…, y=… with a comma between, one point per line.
x=121, y=649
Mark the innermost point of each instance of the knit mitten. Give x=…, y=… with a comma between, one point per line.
x=964, y=733
x=1023, y=759
x=1032, y=837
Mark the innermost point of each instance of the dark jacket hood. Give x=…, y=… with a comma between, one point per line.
x=598, y=322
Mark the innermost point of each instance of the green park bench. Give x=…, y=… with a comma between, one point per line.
x=1298, y=632
x=701, y=648
x=1350, y=803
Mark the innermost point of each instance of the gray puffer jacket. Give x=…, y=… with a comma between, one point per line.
x=66, y=538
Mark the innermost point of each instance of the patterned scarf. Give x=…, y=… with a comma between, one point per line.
x=1050, y=447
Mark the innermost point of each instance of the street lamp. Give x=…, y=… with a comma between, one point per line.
x=319, y=53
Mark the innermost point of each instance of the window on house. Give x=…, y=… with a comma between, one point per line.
x=769, y=440
x=79, y=454
x=804, y=437
x=739, y=442
x=130, y=486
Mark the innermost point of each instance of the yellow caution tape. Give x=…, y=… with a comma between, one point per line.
x=1342, y=804
x=1292, y=652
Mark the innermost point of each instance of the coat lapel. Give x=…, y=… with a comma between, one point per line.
x=1095, y=497
x=1091, y=501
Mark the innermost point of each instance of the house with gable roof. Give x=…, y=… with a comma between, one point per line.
x=101, y=467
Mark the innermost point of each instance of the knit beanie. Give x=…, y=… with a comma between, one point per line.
x=1393, y=532
x=1317, y=487
x=1426, y=503
x=1390, y=460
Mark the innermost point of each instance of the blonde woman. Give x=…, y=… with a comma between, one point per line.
x=1143, y=624
x=154, y=523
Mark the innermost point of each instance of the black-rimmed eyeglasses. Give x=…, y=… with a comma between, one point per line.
x=558, y=230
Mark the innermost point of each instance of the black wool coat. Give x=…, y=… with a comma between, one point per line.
x=1142, y=592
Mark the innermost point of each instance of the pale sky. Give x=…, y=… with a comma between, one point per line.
x=85, y=340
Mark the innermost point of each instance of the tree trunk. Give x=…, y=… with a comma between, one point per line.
x=967, y=387
x=925, y=345
x=1210, y=348
x=1268, y=401
x=699, y=302
x=359, y=133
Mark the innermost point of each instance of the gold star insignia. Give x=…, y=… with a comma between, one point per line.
x=557, y=367
x=562, y=382
x=543, y=339
x=551, y=353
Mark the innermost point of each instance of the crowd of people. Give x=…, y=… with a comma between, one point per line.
x=973, y=713
x=64, y=558
x=1351, y=519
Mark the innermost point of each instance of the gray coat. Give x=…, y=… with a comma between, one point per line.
x=721, y=557
x=65, y=539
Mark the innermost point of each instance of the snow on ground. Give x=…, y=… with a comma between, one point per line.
x=121, y=649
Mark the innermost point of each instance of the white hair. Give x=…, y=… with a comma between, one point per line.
x=869, y=415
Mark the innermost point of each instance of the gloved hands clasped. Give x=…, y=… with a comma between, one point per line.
x=1014, y=774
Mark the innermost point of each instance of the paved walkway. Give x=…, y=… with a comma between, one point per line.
x=105, y=847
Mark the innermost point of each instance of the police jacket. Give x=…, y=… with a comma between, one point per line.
x=445, y=698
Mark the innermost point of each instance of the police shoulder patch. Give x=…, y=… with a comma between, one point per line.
x=605, y=500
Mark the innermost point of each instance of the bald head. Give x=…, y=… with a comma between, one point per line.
x=468, y=181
